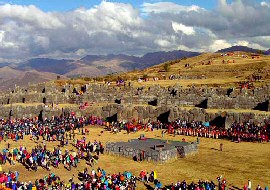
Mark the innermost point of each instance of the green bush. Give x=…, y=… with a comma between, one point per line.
x=166, y=66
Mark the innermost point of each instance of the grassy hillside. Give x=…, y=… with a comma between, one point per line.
x=214, y=69
x=207, y=69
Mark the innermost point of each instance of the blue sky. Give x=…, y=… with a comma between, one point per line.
x=66, y=5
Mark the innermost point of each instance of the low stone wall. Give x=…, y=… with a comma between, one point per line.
x=167, y=155
x=155, y=156
x=162, y=155
x=183, y=151
x=128, y=113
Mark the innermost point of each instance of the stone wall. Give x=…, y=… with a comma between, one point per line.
x=20, y=111
x=239, y=102
x=120, y=149
x=155, y=156
x=142, y=103
x=128, y=113
x=217, y=98
x=183, y=151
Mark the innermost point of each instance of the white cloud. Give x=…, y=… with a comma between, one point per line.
x=2, y=34
x=219, y=44
x=166, y=7
x=265, y=4
x=4, y=43
x=42, y=41
x=29, y=15
x=182, y=47
x=27, y=31
x=162, y=43
x=80, y=52
x=178, y=27
x=241, y=43
x=249, y=44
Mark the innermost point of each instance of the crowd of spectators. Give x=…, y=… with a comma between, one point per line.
x=95, y=179
x=56, y=127
x=246, y=131
x=99, y=179
x=50, y=129
x=63, y=128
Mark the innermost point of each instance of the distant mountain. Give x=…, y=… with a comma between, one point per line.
x=4, y=64
x=154, y=58
x=9, y=77
x=7, y=73
x=95, y=65
x=267, y=52
x=239, y=48
x=126, y=62
x=47, y=65
x=93, y=58
x=43, y=69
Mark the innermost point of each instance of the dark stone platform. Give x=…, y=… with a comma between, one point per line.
x=150, y=149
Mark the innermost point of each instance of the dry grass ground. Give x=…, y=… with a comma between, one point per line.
x=234, y=69
x=237, y=163
x=23, y=104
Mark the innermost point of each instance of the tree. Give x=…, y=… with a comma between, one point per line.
x=145, y=76
x=166, y=66
x=260, y=51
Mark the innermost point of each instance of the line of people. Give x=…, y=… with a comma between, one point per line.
x=247, y=131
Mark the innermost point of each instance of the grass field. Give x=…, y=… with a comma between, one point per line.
x=238, y=162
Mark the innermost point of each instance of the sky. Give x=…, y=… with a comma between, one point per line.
x=68, y=5
x=75, y=28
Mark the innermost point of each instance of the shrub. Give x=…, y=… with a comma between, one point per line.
x=166, y=66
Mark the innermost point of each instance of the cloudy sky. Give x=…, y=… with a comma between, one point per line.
x=74, y=28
